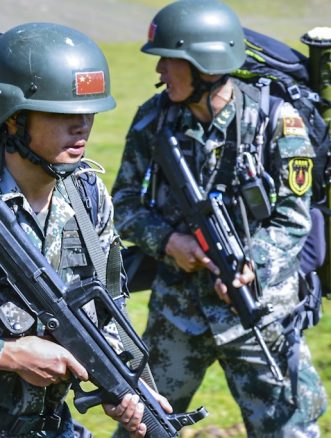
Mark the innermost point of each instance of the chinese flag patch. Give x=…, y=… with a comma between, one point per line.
x=293, y=126
x=151, y=32
x=91, y=82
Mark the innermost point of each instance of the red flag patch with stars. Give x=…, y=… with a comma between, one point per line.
x=90, y=82
x=151, y=32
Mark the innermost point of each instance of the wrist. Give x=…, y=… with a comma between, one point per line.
x=168, y=248
x=5, y=355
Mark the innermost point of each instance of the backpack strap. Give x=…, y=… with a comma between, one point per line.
x=306, y=313
x=90, y=237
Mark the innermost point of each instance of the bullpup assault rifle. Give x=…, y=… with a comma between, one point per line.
x=60, y=309
x=211, y=225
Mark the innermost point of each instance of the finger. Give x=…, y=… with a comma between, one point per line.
x=221, y=291
x=211, y=266
x=140, y=432
x=164, y=403
x=76, y=368
x=248, y=274
x=245, y=278
x=135, y=419
x=158, y=397
x=206, y=261
x=121, y=408
x=55, y=379
x=116, y=411
x=109, y=410
x=133, y=412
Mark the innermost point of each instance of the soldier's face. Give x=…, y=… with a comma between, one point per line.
x=59, y=138
x=176, y=74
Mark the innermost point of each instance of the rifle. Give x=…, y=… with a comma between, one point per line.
x=211, y=225
x=59, y=308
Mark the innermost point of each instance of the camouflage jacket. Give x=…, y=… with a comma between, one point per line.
x=60, y=241
x=188, y=300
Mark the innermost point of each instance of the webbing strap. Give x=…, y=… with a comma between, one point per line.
x=109, y=273
x=239, y=110
x=113, y=282
x=90, y=237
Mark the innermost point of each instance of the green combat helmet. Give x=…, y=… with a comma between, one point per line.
x=207, y=33
x=52, y=68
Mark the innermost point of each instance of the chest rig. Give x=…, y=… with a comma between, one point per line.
x=226, y=157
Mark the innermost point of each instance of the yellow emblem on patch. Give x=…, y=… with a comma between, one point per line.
x=294, y=126
x=300, y=175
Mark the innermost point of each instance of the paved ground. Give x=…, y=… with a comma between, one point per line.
x=120, y=20
x=104, y=20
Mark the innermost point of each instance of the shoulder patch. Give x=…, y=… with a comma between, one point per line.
x=300, y=175
x=293, y=126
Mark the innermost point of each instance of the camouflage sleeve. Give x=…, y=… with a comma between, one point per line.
x=277, y=244
x=134, y=221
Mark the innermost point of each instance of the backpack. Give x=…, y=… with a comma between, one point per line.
x=287, y=74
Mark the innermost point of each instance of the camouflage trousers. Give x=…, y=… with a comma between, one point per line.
x=179, y=362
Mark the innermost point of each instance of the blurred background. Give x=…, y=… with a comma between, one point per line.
x=120, y=28
x=126, y=20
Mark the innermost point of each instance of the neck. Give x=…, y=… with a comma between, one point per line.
x=36, y=185
x=211, y=104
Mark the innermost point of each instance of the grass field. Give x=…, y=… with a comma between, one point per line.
x=132, y=82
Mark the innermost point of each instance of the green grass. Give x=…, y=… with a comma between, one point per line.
x=132, y=82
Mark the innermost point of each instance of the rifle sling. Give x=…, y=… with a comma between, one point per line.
x=108, y=272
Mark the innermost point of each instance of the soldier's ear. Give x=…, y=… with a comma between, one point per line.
x=11, y=124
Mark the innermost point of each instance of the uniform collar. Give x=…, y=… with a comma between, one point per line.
x=8, y=187
x=220, y=123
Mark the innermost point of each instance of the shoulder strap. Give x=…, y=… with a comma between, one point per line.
x=98, y=258
x=90, y=237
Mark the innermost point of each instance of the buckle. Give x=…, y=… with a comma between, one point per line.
x=313, y=96
x=52, y=423
x=263, y=82
x=294, y=92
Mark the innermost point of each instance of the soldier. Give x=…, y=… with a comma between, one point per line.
x=53, y=80
x=218, y=122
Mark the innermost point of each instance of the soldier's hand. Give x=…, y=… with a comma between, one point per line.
x=40, y=361
x=246, y=277
x=130, y=412
x=188, y=254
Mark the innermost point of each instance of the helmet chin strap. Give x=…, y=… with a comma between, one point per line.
x=20, y=143
x=200, y=87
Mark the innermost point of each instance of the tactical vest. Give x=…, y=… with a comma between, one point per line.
x=212, y=158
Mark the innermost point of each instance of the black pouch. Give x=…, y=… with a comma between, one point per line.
x=139, y=267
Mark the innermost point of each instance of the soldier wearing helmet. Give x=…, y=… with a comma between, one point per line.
x=53, y=79
x=220, y=126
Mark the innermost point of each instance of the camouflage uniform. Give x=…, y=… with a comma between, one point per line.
x=58, y=238
x=189, y=327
